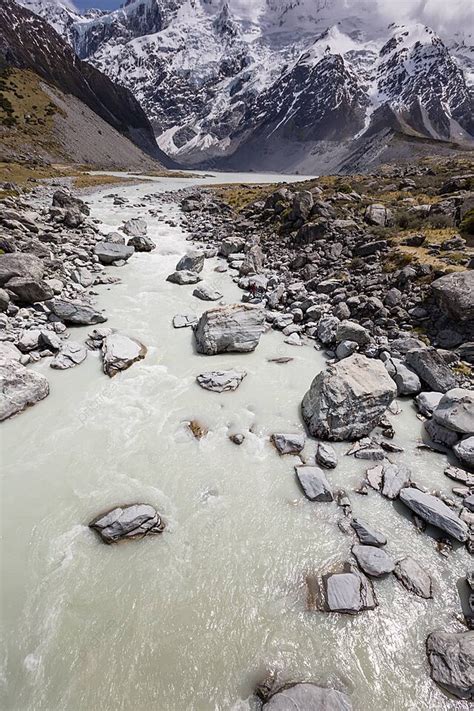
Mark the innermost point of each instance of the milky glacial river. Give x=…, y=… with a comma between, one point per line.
x=190, y=620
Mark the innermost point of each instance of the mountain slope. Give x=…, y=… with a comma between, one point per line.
x=29, y=43
x=276, y=80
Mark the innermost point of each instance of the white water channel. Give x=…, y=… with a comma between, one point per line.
x=191, y=619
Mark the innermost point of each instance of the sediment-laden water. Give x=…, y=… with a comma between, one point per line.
x=191, y=619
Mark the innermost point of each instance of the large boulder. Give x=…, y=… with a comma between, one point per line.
x=110, y=252
x=308, y=697
x=220, y=381
x=126, y=522
x=17, y=264
x=451, y=658
x=352, y=331
x=119, y=352
x=234, y=328
x=193, y=261
x=348, y=399
x=76, y=313
x=28, y=290
x=431, y=369
x=136, y=227
x=20, y=387
x=63, y=198
x=455, y=294
x=206, y=293
x=464, y=451
x=141, y=243
x=435, y=512
x=377, y=214
x=183, y=277
x=455, y=411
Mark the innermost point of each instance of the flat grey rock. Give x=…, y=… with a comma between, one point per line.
x=414, y=578
x=76, y=313
x=314, y=483
x=221, y=380
x=110, y=252
x=70, y=355
x=455, y=411
x=427, y=402
x=348, y=592
x=395, y=477
x=435, y=512
x=289, y=443
x=464, y=451
x=183, y=277
x=431, y=369
x=184, y=320
x=373, y=560
x=366, y=534
x=206, y=293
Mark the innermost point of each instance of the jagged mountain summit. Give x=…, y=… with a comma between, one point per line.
x=279, y=84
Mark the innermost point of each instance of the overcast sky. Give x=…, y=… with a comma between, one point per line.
x=441, y=15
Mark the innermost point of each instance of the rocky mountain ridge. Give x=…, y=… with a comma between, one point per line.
x=288, y=78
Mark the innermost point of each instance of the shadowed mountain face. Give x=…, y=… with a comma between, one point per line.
x=288, y=79
x=29, y=42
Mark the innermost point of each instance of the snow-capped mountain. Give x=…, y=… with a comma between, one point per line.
x=227, y=79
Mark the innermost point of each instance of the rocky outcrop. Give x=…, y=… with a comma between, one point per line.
x=128, y=522
x=348, y=399
x=308, y=697
x=119, y=352
x=435, y=512
x=19, y=388
x=235, y=328
x=451, y=658
x=220, y=381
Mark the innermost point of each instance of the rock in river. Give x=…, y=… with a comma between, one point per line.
x=314, y=483
x=413, y=577
x=326, y=456
x=434, y=511
x=119, y=352
x=193, y=261
x=289, y=443
x=183, y=277
x=348, y=399
x=221, y=380
x=464, y=451
x=136, y=227
x=110, y=252
x=234, y=328
x=207, y=293
x=19, y=388
x=367, y=535
x=125, y=522
x=348, y=591
x=372, y=560
x=76, y=313
x=141, y=243
x=308, y=697
x=71, y=354
x=451, y=658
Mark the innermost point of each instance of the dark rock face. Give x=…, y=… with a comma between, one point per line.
x=451, y=658
x=128, y=522
x=28, y=42
x=308, y=697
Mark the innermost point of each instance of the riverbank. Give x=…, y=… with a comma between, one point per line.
x=222, y=595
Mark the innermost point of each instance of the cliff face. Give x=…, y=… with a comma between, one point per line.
x=28, y=42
